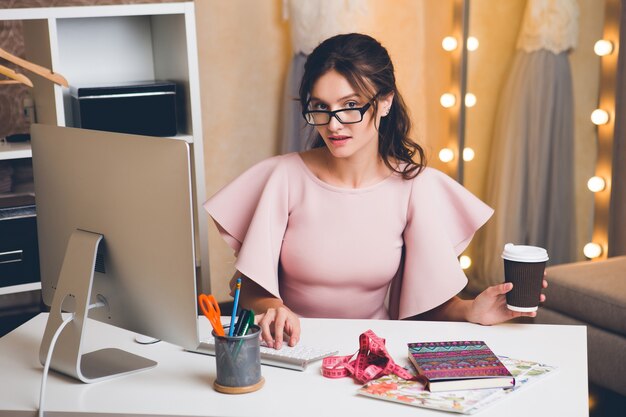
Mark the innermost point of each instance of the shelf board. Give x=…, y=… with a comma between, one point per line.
x=15, y=150
x=33, y=286
x=92, y=11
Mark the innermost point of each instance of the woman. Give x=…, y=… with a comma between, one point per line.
x=332, y=231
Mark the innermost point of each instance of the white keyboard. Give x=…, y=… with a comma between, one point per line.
x=296, y=357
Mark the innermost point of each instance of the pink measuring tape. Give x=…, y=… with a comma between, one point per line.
x=372, y=361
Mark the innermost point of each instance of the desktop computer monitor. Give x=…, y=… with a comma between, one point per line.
x=115, y=230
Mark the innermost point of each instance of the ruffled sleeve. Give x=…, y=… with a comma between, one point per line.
x=442, y=218
x=251, y=214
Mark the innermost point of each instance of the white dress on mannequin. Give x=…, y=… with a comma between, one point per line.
x=311, y=22
x=530, y=181
x=549, y=24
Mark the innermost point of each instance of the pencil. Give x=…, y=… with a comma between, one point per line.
x=231, y=330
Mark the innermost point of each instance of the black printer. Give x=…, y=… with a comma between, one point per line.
x=142, y=108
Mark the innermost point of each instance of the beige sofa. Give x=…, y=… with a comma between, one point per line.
x=593, y=294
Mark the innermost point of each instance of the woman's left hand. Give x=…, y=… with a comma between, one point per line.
x=489, y=307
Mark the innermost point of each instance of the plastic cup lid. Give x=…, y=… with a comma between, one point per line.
x=524, y=253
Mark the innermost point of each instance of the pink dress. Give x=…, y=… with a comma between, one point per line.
x=328, y=251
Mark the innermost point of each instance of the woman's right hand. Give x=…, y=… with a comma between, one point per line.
x=278, y=324
x=274, y=318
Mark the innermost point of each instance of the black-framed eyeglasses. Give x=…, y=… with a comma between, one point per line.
x=345, y=116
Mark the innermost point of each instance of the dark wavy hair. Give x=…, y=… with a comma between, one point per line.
x=366, y=64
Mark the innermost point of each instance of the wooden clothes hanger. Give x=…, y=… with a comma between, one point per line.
x=16, y=78
x=37, y=69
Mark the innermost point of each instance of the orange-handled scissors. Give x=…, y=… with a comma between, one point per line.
x=211, y=310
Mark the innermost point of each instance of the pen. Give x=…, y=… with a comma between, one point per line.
x=246, y=325
x=231, y=330
x=243, y=318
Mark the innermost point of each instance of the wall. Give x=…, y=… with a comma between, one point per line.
x=12, y=95
x=412, y=31
x=243, y=54
x=495, y=25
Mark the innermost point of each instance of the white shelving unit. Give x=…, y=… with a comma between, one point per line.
x=92, y=45
x=14, y=150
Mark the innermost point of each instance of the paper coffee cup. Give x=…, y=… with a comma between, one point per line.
x=524, y=267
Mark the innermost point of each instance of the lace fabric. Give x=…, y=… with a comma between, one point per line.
x=549, y=24
x=314, y=21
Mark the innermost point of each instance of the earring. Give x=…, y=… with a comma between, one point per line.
x=387, y=111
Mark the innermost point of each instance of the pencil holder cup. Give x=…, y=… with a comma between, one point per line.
x=238, y=362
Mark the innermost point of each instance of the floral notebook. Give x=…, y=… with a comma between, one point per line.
x=393, y=388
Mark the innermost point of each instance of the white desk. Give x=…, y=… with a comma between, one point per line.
x=182, y=382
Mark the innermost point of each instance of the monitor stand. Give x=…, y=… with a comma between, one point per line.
x=75, y=281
